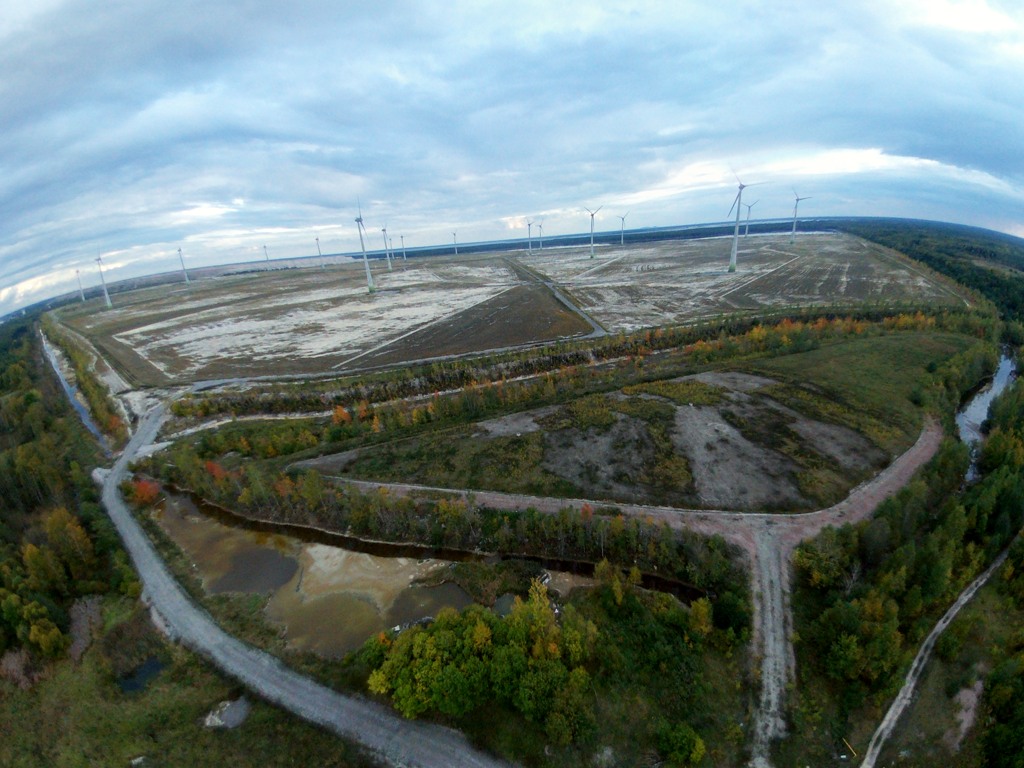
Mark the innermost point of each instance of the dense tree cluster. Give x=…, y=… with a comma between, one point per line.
x=871, y=591
x=55, y=542
x=554, y=668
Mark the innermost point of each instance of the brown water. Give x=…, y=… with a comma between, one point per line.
x=329, y=600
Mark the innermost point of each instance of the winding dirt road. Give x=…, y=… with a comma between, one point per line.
x=768, y=540
x=389, y=737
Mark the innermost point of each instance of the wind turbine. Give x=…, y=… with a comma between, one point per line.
x=403, y=247
x=737, y=204
x=387, y=253
x=183, y=270
x=318, y=252
x=540, y=236
x=362, y=244
x=81, y=291
x=99, y=262
x=456, y=241
x=267, y=255
x=592, y=214
x=796, y=204
x=746, y=229
x=622, y=229
x=529, y=235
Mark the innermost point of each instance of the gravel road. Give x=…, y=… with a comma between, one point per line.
x=387, y=736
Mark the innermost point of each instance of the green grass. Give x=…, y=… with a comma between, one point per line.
x=867, y=384
x=78, y=716
x=460, y=460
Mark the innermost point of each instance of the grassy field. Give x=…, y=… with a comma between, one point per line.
x=798, y=435
x=869, y=384
x=79, y=716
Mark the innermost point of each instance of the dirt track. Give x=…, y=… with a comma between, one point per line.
x=389, y=737
x=768, y=540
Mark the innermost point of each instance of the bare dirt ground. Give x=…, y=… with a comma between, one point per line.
x=312, y=321
x=677, y=281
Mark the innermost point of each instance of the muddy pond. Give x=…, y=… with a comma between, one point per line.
x=327, y=599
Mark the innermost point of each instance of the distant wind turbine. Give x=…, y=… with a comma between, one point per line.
x=403, y=247
x=318, y=252
x=796, y=205
x=99, y=262
x=540, y=236
x=183, y=270
x=387, y=252
x=529, y=235
x=737, y=204
x=266, y=254
x=456, y=241
x=592, y=214
x=622, y=229
x=746, y=229
x=362, y=244
x=81, y=291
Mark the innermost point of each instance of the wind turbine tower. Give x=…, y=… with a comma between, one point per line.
x=746, y=229
x=796, y=205
x=318, y=252
x=362, y=244
x=183, y=270
x=540, y=237
x=387, y=252
x=81, y=291
x=265, y=254
x=529, y=235
x=403, y=247
x=456, y=241
x=622, y=229
x=737, y=204
x=99, y=263
x=592, y=214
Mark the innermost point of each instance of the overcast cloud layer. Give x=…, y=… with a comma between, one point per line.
x=130, y=128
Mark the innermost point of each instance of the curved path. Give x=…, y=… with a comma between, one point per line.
x=768, y=540
x=906, y=694
x=389, y=737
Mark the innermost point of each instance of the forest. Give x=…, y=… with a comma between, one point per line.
x=56, y=543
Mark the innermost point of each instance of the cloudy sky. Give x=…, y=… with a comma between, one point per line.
x=130, y=128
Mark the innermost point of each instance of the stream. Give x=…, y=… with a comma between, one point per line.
x=72, y=394
x=971, y=417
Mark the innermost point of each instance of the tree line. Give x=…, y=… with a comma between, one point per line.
x=56, y=544
x=870, y=592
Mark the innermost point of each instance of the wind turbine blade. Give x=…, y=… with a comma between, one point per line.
x=734, y=201
x=599, y=208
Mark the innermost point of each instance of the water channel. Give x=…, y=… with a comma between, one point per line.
x=327, y=599
x=72, y=394
x=970, y=419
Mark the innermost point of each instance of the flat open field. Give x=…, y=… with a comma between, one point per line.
x=678, y=281
x=737, y=440
x=319, y=321
x=314, y=321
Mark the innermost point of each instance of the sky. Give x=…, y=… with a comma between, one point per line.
x=132, y=128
